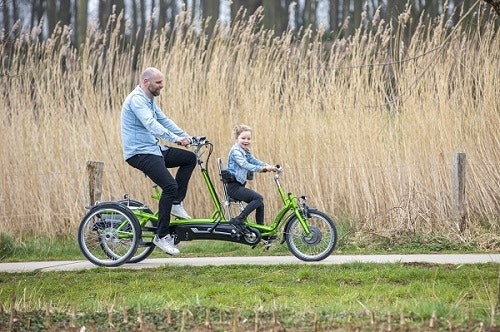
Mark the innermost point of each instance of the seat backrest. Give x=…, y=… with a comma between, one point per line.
x=220, y=166
x=227, y=200
x=224, y=174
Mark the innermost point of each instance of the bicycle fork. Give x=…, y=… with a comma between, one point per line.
x=301, y=211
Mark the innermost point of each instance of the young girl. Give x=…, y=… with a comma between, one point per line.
x=242, y=164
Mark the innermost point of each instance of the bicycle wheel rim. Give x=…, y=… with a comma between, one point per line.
x=108, y=235
x=316, y=246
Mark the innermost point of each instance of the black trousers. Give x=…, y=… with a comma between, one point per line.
x=253, y=199
x=173, y=189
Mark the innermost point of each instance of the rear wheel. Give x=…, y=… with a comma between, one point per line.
x=109, y=234
x=145, y=246
x=320, y=242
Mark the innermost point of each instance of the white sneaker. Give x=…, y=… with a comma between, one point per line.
x=178, y=211
x=166, y=244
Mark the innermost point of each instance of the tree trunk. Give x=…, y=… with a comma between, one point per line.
x=81, y=22
x=6, y=18
x=15, y=10
x=358, y=9
x=210, y=14
x=334, y=15
x=495, y=4
x=51, y=15
x=309, y=14
x=345, y=15
x=162, y=14
x=64, y=12
x=104, y=12
x=275, y=17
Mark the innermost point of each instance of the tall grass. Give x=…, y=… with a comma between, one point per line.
x=366, y=126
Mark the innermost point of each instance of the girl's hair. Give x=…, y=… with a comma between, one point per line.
x=238, y=129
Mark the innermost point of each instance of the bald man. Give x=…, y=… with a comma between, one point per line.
x=142, y=125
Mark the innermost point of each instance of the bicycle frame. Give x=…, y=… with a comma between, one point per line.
x=291, y=204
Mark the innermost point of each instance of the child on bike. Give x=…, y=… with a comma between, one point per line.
x=242, y=164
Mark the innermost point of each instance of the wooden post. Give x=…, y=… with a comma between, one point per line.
x=95, y=170
x=458, y=190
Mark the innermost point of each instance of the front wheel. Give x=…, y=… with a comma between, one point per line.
x=109, y=234
x=320, y=242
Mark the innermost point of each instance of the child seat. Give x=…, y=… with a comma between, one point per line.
x=230, y=204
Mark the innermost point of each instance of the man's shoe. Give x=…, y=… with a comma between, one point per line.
x=178, y=211
x=166, y=244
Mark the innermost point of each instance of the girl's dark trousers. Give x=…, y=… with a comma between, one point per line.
x=253, y=199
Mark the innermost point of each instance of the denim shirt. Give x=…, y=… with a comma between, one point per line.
x=143, y=123
x=241, y=161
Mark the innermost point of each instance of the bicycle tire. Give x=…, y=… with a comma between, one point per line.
x=319, y=244
x=144, y=248
x=109, y=234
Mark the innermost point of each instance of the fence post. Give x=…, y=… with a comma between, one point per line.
x=458, y=190
x=95, y=170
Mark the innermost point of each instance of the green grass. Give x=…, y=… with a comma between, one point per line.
x=419, y=291
x=303, y=296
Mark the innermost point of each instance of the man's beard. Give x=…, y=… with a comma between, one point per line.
x=155, y=92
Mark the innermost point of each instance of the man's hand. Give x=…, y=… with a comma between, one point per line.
x=184, y=141
x=268, y=168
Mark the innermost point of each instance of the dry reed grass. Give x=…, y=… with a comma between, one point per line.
x=369, y=143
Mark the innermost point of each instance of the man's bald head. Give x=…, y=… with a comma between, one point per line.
x=152, y=81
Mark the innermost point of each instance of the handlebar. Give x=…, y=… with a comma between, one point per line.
x=199, y=140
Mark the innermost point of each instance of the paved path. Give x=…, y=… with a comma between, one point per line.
x=259, y=260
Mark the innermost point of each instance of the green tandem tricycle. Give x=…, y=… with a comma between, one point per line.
x=118, y=232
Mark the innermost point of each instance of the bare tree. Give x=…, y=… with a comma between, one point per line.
x=104, y=11
x=64, y=12
x=210, y=11
x=275, y=16
x=495, y=4
x=6, y=17
x=51, y=14
x=358, y=9
x=81, y=21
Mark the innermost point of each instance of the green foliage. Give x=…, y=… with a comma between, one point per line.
x=405, y=243
x=38, y=248
x=418, y=291
x=6, y=246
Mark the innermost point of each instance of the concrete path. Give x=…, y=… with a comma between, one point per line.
x=259, y=260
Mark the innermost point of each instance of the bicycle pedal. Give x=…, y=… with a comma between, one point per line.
x=235, y=233
x=267, y=244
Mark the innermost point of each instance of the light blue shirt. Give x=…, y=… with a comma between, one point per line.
x=241, y=161
x=143, y=123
